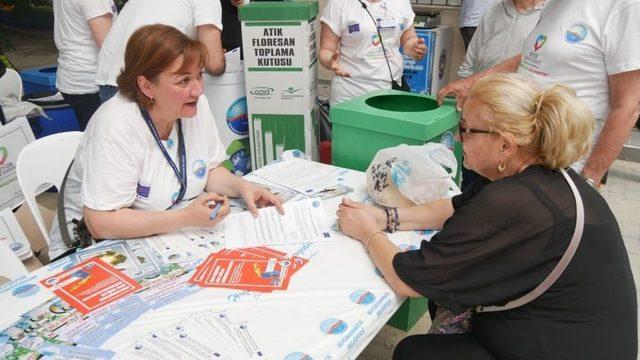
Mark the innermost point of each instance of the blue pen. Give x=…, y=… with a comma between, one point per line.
x=214, y=212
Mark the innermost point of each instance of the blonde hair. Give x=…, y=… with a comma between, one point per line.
x=552, y=123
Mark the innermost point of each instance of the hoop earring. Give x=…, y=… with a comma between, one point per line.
x=502, y=166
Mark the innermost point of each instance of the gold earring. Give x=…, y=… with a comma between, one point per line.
x=502, y=166
x=152, y=101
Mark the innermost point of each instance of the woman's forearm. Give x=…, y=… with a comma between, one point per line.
x=426, y=216
x=128, y=223
x=223, y=182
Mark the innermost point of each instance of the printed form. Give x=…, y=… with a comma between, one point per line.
x=302, y=222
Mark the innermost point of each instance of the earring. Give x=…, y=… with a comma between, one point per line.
x=502, y=166
x=152, y=101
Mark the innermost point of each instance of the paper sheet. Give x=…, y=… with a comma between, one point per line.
x=302, y=222
x=300, y=175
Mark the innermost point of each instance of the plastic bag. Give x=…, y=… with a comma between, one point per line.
x=406, y=175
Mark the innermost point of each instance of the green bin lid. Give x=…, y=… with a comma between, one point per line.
x=278, y=10
x=398, y=113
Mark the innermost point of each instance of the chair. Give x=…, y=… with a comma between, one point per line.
x=11, y=85
x=45, y=161
x=10, y=266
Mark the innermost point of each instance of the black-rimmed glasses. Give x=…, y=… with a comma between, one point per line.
x=464, y=130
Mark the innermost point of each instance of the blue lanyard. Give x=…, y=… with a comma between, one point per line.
x=182, y=173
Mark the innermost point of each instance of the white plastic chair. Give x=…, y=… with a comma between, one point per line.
x=45, y=161
x=11, y=85
x=10, y=266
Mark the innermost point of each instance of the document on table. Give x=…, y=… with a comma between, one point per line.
x=303, y=176
x=302, y=222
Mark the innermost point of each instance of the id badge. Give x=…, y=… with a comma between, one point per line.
x=387, y=23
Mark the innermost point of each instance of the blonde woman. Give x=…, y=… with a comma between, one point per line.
x=503, y=236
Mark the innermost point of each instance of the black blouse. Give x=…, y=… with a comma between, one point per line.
x=503, y=239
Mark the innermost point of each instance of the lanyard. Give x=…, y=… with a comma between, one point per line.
x=182, y=173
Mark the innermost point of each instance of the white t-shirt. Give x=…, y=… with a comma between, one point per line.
x=498, y=37
x=361, y=54
x=120, y=165
x=472, y=11
x=77, y=50
x=579, y=43
x=184, y=15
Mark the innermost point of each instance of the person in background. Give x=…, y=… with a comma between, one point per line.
x=79, y=29
x=198, y=19
x=232, y=33
x=502, y=237
x=351, y=48
x=151, y=148
x=499, y=36
x=470, y=14
x=584, y=44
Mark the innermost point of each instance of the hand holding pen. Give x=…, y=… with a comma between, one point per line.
x=207, y=210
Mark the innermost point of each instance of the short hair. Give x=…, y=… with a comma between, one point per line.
x=552, y=122
x=152, y=49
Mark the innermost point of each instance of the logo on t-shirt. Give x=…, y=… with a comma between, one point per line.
x=199, y=169
x=353, y=28
x=143, y=191
x=375, y=39
x=575, y=34
x=540, y=40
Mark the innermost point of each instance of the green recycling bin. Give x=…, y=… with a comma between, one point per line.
x=387, y=118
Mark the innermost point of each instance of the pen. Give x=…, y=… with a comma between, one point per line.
x=214, y=212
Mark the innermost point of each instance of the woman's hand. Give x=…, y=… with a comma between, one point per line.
x=415, y=48
x=458, y=88
x=200, y=212
x=359, y=220
x=257, y=197
x=335, y=65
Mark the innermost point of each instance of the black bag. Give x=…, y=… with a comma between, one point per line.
x=82, y=237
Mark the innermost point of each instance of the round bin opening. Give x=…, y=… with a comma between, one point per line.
x=402, y=103
x=49, y=70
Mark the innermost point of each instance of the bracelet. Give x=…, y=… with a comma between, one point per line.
x=590, y=181
x=396, y=223
x=388, y=215
x=369, y=238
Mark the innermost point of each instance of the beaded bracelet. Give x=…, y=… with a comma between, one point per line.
x=388, y=215
x=396, y=222
x=369, y=238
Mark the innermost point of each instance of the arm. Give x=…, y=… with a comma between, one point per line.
x=625, y=107
x=470, y=63
x=211, y=37
x=329, y=55
x=100, y=27
x=461, y=88
x=412, y=45
x=128, y=223
x=357, y=222
x=223, y=182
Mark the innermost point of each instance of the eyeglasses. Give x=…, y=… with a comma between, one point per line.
x=464, y=130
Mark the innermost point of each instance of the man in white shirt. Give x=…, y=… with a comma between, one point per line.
x=198, y=19
x=500, y=34
x=80, y=27
x=590, y=45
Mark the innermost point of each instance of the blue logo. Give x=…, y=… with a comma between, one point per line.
x=362, y=297
x=354, y=28
x=333, y=326
x=575, y=34
x=315, y=203
x=199, y=169
x=241, y=161
x=143, y=191
x=25, y=290
x=237, y=117
x=448, y=140
x=298, y=356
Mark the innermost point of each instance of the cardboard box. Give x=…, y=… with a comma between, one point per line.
x=281, y=71
x=431, y=74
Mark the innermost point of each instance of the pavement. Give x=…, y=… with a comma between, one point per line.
x=35, y=48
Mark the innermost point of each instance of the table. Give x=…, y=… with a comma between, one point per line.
x=340, y=285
